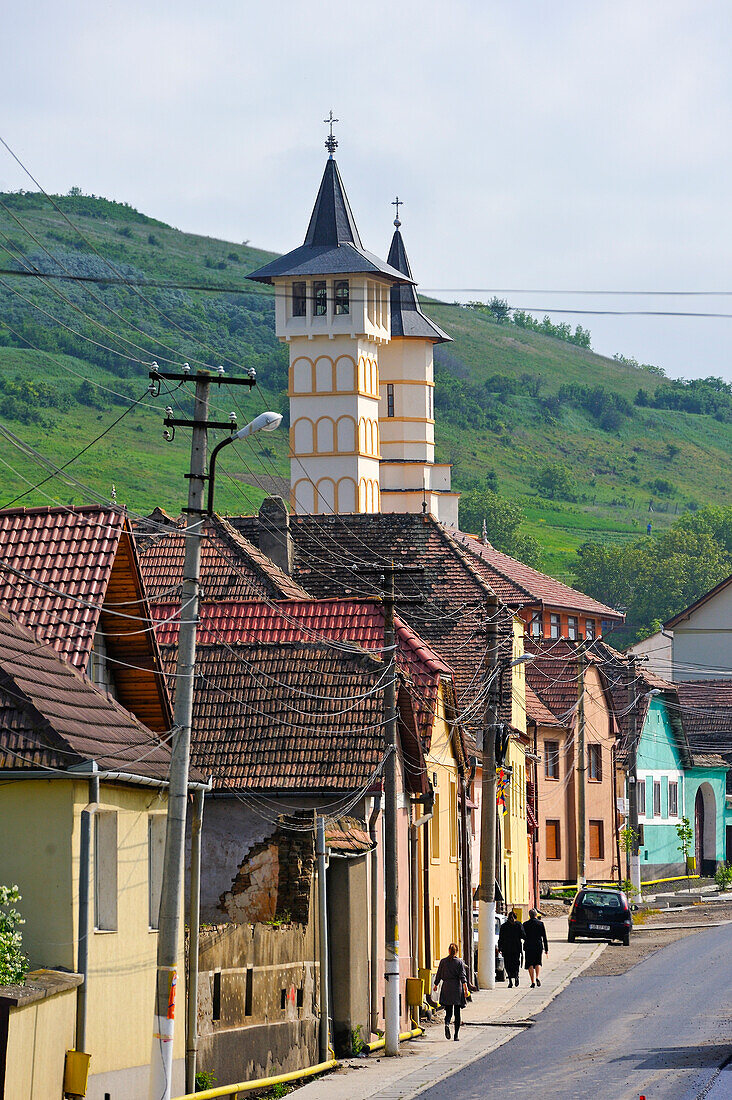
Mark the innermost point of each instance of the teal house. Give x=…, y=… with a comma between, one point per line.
x=677, y=778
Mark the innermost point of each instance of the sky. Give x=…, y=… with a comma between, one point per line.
x=540, y=147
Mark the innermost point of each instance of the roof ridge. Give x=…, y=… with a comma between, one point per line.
x=454, y=545
x=259, y=560
x=506, y=576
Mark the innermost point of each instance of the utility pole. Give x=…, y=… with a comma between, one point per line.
x=391, y=803
x=486, y=893
x=581, y=769
x=633, y=773
x=161, y=1065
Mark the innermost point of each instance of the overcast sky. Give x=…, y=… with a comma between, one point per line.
x=557, y=146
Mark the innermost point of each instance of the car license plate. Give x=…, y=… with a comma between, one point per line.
x=599, y=928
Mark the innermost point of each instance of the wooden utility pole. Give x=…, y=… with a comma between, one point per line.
x=486, y=893
x=581, y=770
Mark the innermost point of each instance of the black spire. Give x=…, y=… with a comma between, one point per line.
x=407, y=319
x=331, y=222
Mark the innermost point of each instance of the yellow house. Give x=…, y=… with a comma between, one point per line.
x=438, y=883
x=513, y=870
x=83, y=801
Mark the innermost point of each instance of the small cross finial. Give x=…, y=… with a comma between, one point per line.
x=397, y=202
x=330, y=142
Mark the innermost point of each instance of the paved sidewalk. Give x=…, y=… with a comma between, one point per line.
x=431, y=1058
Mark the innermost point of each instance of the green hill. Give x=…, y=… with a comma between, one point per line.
x=509, y=400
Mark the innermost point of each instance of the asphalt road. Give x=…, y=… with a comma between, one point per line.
x=661, y=1030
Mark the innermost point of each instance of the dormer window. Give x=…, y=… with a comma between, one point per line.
x=341, y=297
x=320, y=299
x=299, y=295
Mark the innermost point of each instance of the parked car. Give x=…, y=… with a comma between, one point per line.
x=500, y=966
x=600, y=913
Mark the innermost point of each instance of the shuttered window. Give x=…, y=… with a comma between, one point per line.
x=553, y=840
x=597, y=840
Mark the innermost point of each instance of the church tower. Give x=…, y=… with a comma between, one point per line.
x=410, y=479
x=333, y=310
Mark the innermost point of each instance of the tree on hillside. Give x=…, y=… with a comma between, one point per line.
x=556, y=482
x=652, y=579
x=502, y=520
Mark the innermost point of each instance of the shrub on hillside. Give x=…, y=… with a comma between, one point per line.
x=502, y=519
x=556, y=482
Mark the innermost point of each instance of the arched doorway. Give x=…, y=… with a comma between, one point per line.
x=705, y=830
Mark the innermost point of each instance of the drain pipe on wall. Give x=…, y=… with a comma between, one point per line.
x=85, y=921
x=321, y=852
x=194, y=923
x=374, y=974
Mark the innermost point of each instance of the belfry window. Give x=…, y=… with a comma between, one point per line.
x=389, y=399
x=430, y=404
x=341, y=297
x=320, y=295
x=299, y=292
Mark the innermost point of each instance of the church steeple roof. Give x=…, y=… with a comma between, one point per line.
x=332, y=244
x=407, y=319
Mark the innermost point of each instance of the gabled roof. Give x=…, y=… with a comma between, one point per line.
x=360, y=622
x=69, y=573
x=706, y=713
x=537, y=712
x=332, y=245
x=553, y=676
x=519, y=584
x=681, y=616
x=407, y=318
x=451, y=617
x=232, y=568
x=51, y=716
x=294, y=716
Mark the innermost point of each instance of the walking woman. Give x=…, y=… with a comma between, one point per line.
x=454, y=993
x=535, y=940
x=510, y=944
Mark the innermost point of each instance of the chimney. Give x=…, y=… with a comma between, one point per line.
x=274, y=533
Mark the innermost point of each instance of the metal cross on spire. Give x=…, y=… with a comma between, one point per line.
x=330, y=142
x=397, y=202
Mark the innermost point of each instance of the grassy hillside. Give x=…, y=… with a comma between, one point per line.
x=51, y=397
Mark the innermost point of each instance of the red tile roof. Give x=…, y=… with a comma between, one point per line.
x=45, y=552
x=51, y=716
x=360, y=622
x=537, y=712
x=69, y=573
x=553, y=676
x=232, y=568
x=294, y=716
x=329, y=549
x=520, y=584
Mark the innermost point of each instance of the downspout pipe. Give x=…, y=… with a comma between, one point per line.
x=85, y=917
x=194, y=924
x=321, y=853
x=374, y=972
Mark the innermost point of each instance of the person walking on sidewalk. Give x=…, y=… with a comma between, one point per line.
x=535, y=933
x=454, y=992
x=510, y=944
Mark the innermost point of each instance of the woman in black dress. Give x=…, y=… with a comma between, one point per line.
x=454, y=993
x=510, y=944
x=535, y=940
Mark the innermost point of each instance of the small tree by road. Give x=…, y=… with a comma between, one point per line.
x=685, y=833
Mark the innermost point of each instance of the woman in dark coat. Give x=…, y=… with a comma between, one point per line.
x=510, y=944
x=535, y=941
x=454, y=993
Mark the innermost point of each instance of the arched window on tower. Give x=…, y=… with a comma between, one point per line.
x=342, y=301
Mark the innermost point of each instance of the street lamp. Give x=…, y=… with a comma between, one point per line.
x=265, y=422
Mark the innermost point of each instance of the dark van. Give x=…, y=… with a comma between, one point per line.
x=600, y=913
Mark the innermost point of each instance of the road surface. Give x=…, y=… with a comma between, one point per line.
x=662, y=1030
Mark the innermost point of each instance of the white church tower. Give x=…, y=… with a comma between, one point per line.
x=333, y=309
x=361, y=385
x=410, y=479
